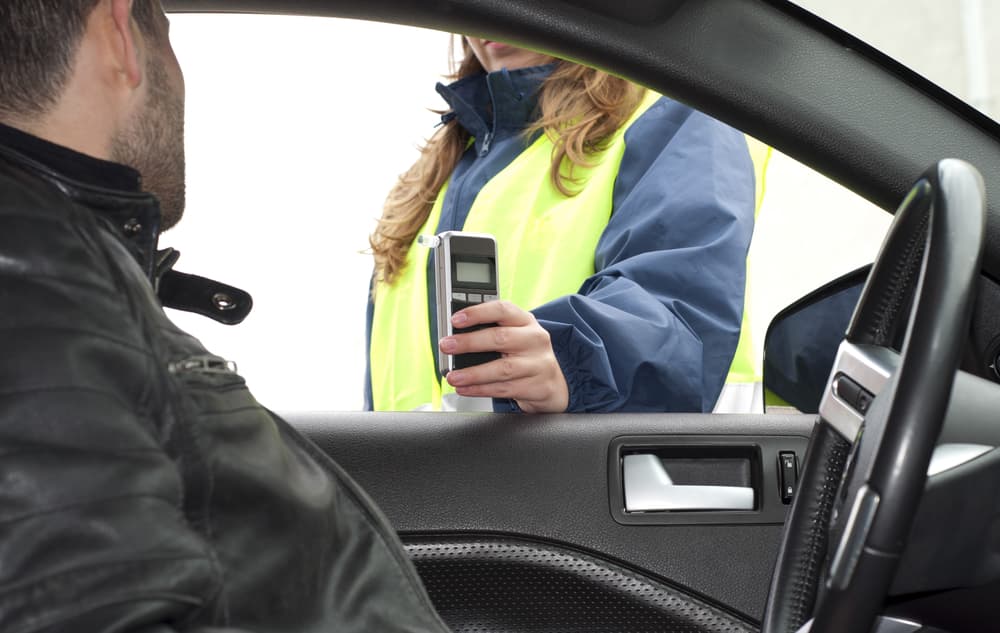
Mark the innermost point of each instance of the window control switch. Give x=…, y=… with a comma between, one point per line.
x=788, y=475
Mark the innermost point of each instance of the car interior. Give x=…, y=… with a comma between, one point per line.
x=871, y=504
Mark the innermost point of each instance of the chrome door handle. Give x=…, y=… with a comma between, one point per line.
x=648, y=488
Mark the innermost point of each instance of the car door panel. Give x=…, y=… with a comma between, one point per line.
x=501, y=584
x=547, y=479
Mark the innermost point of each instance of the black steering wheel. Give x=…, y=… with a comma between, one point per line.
x=882, y=412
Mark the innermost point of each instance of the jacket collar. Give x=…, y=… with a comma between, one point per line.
x=112, y=191
x=70, y=163
x=497, y=104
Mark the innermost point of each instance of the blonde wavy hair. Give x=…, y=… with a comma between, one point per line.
x=580, y=107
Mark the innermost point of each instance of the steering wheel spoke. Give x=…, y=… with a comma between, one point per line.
x=860, y=372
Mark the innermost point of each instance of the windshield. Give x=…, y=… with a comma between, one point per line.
x=946, y=42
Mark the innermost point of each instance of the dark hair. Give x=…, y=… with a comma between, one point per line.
x=38, y=42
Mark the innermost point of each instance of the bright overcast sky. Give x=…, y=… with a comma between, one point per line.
x=296, y=130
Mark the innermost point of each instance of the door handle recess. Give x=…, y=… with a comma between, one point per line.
x=648, y=488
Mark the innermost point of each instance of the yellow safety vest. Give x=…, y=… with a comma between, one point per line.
x=743, y=391
x=403, y=365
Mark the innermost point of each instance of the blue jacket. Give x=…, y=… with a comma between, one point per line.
x=656, y=327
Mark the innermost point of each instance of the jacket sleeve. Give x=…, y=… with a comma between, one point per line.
x=92, y=538
x=656, y=327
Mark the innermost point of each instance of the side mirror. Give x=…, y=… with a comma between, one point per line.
x=802, y=340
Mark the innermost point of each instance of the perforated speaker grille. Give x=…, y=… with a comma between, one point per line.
x=514, y=586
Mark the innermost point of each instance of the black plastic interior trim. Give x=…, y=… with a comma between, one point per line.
x=964, y=499
x=497, y=584
x=983, y=351
x=957, y=502
x=971, y=610
x=931, y=89
x=633, y=12
x=546, y=478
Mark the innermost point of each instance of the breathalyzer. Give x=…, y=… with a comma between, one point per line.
x=465, y=274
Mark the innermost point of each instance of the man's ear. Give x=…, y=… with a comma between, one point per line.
x=126, y=41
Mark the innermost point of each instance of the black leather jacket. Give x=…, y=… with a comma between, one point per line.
x=142, y=488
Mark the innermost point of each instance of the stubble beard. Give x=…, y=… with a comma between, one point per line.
x=153, y=144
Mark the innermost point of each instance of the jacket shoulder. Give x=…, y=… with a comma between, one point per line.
x=45, y=233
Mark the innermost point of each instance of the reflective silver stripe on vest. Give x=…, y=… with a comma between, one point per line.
x=741, y=397
x=455, y=402
x=736, y=397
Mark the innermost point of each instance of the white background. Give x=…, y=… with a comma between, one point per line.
x=297, y=129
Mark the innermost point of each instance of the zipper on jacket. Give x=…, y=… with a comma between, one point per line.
x=202, y=365
x=487, y=141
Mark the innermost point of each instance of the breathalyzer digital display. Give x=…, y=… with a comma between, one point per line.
x=472, y=272
x=465, y=274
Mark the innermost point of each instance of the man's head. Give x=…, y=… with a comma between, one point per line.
x=100, y=77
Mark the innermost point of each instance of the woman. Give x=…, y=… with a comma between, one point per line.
x=622, y=221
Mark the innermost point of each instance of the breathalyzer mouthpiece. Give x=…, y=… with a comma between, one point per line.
x=430, y=241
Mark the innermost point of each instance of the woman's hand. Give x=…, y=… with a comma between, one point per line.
x=528, y=371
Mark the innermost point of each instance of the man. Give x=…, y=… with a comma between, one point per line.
x=142, y=488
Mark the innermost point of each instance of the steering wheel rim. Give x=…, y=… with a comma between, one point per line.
x=882, y=411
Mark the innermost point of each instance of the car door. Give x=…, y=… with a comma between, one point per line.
x=527, y=522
